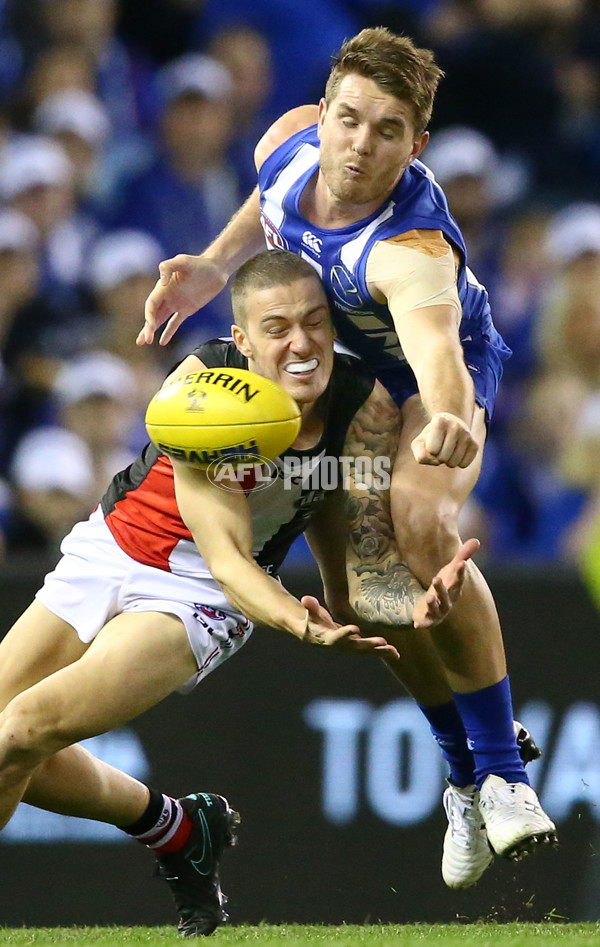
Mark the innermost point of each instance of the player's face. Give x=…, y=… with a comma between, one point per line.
x=289, y=338
x=367, y=140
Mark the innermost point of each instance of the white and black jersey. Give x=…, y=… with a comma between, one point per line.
x=141, y=511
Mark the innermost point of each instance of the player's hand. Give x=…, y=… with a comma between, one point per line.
x=323, y=630
x=445, y=589
x=186, y=284
x=446, y=439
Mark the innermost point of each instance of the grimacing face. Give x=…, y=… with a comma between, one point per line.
x=367, y=140
x=289, y=337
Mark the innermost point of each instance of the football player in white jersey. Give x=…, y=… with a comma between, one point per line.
x=108, y=623
x=341, y=184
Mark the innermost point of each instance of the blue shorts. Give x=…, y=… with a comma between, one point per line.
x=483, y=360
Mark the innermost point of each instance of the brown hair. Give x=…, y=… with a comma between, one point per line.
x=397, y=66
x=266, y=269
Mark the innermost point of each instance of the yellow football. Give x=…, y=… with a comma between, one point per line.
x=222, y=413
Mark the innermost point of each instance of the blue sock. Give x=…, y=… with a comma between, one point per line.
x=449, y=734
x=487, y=715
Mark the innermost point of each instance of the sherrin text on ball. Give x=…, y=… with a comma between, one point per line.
x=220, y=413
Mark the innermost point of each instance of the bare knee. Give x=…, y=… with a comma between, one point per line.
x=426, y=530
x=27, y=736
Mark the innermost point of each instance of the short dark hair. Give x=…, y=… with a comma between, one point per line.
x=266, y=269
x=397, y=66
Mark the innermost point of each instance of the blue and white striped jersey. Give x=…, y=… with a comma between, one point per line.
x=340, y=255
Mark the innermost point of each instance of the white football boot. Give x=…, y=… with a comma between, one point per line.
x=515, y=822
x=466, y=852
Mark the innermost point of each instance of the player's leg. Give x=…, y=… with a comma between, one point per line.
x=38, y=644
x=72, y=782
x=135, y=661
x=426, y=502
x=419, y=669
x=422, y=674
x=466, y=853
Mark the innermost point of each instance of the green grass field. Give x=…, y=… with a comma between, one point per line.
x=297, y=935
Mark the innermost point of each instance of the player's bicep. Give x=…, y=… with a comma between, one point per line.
x=219, y=520
x=375, y=428
x=414, y=274
x=381, y=588
x=369, y=452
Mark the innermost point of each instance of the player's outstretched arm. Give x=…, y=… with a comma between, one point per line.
x=226, y=547
x=187, y=283
x=321, y=629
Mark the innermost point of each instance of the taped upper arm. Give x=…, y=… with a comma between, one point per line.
x=413, y=271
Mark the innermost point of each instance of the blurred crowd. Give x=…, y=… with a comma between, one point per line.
x=126, y=135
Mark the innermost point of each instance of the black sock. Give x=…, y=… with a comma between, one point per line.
x=150, y=817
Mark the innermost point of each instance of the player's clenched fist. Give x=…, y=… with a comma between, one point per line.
x=446, y=439
x=186, y=284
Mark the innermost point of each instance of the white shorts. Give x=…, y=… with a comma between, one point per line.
x=96, y=580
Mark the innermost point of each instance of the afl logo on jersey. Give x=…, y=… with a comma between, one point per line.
x=344, y=288
x=272, y=235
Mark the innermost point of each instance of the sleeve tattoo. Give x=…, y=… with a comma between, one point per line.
x=381, y=587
